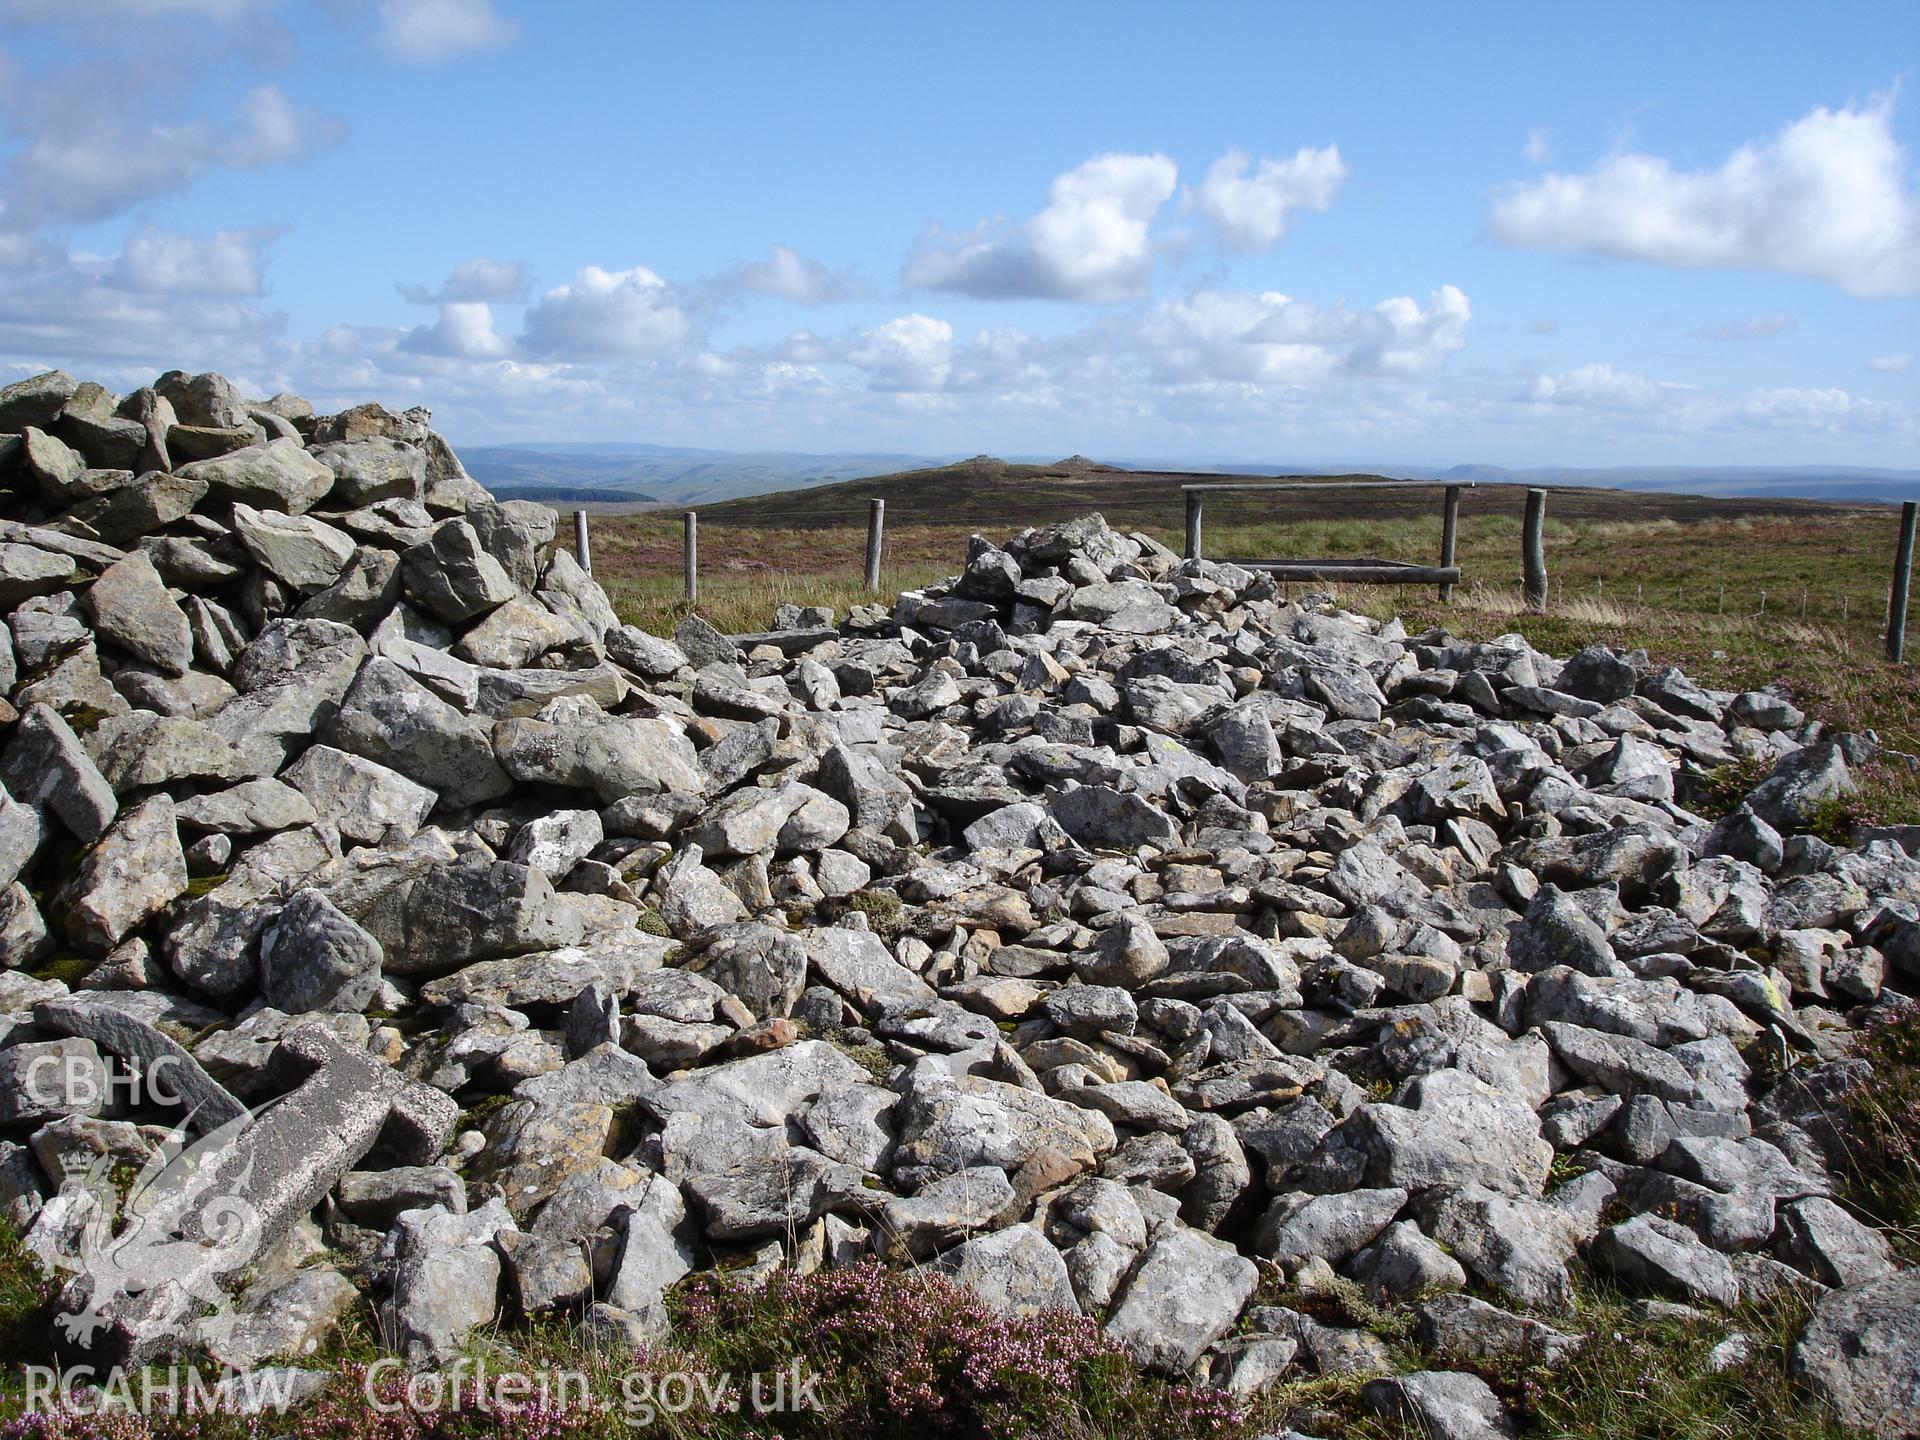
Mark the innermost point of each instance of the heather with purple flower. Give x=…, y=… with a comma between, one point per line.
x=918, y=1355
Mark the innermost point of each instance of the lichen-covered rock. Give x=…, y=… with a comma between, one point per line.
x=126, y=879
x=1186, y=1293
x=278, y=475
x=132, y=610
x=47, y=767
x=446, y=1280
x=314, y=958
x=392, y=719
x=1861, y=1354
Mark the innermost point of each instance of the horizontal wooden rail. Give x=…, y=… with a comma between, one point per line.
x=1354, y=571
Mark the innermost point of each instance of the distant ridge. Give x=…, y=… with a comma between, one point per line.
x=584, y=494
x=987, y=493
x=636, y=474
x=640, y=474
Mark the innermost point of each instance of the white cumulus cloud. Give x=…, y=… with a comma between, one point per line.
x=1251, y=211
x=788, y=274
x=78, y=11
x=228, y=262
x=1829, y=197
x=424, y=32
x=606, y=313
x=1891, y=364
x=1269, y=338
x=1802, y=407
x=912, y=353
x=1089, y=243
x=464, y=330
x=481, y=279
x=87, y=163
x=1598, y=385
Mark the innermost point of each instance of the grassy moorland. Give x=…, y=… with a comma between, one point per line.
x=1740, y=592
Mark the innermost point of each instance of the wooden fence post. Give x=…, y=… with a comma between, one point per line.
x=876, y=528
x=1193, y=524
x=581, y=550
x=1449, y=535
x=690, y=555
x=1902, y=585
x=1533, y=550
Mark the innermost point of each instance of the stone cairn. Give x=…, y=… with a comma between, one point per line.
x=1095, y=926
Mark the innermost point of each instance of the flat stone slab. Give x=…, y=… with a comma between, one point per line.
x=201, y=1214
x=166, y=1066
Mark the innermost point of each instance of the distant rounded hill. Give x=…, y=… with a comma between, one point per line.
x=1081, y=465
x=989, y=494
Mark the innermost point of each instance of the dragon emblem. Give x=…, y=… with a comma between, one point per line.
x=183, y=1224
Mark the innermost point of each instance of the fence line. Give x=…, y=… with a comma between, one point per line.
x=1534, y=580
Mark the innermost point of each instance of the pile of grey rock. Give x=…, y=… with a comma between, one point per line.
x=1095, y=926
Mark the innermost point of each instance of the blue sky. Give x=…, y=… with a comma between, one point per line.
x=1632, y=234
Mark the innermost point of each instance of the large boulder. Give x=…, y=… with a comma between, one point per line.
x=376, y=468
x=1014, y=1270
x=1861, y=1354
x=297, y=550
x=1103, y=818
x=452, y=577
x=947, y=1125
x=572, y=742
x=279, y=475
x=766, y=969
x=392, y=719
x=47, y=767
x=364, y=798
x=1454, y=1130
x=480, y=910
x=37, y=400
x=132, y=609
x=446, y=1280
x=1185, y=1294
x=314, y=958
x=206, y=401
x=1790, y=797
x=126, y=879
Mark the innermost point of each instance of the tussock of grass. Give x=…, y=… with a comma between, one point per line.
x=1883, y=1168
x=1639, y=1378
x=476, y=1115
x=1636, y=1378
